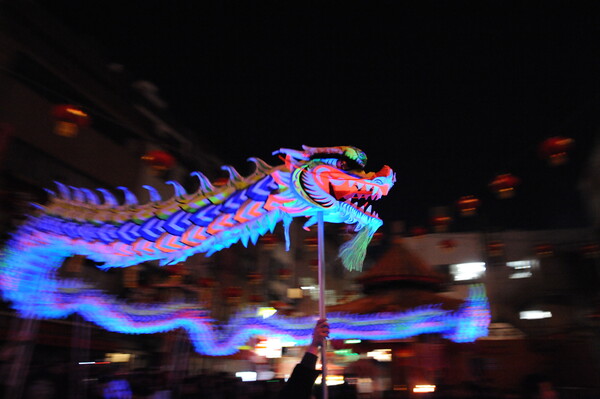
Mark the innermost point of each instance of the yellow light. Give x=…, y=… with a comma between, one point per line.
x=265, y=312
x=332, y=380
x=424, y=388
x=76, y=111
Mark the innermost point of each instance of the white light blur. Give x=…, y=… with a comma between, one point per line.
x=467, y=271
x=520, y=275
x=534, y=314
x=270, y=348
x=381, y=355
x=246, y=375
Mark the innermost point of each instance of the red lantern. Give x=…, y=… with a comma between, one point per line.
x=555, y=150
x=418, y=231
x=495, y=248
x=447, y=245
x=468, y=205
x=504, y=185
x=206, y=282
x=176, y=269
x=440, y=223
x=591, y=250
x=279, y=305
x=255, y=299
x=377, y=238
x=220, y=181
x=338, y=344
x=269, y=240
x=311, y=241
x=69, y=119
x=544, y=250
x=159, y=160
x=255, y=278
x=232, y=294
x=284, y=273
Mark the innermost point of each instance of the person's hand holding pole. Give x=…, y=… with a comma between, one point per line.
x=319, y=337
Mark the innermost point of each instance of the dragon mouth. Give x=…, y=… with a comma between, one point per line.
x=362, y=199
x=353, y=192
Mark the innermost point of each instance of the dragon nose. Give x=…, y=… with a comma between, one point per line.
x=387, y=172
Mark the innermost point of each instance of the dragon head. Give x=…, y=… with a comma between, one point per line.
x=332, y=180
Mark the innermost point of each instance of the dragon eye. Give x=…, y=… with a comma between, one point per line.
x=342, y=164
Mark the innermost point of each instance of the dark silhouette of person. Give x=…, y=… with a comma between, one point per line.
x=304, y=375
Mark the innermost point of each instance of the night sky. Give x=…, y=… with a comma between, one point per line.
x=449, y=94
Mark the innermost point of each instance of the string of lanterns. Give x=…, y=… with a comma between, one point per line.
x=553, y=150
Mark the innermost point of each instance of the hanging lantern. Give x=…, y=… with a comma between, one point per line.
x=467, y=205
x=176, y=269
x=440, y=223
x=279, y=305
x=447, y=245
x=338, y=344
x=544, y=250
x=591, y=250
x=284, y=273
x=255, y=278
x=495, y=248
x=269, y=240
x=69, y=119
x=504, y=185
x=232, y=294
x=159, y=160
x=377, y=238
x=220, y=181
x=255, y=299
x=311, y=241
x=555, y=150
x=206, y=282
x=346, y=232
x=418, y=231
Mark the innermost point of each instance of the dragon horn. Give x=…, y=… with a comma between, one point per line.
x=109, y=199
x=179, y=190
x=63, y=190
x=77, y=194
x=205, y=184
x=234, y=175
x=90, y=196
x=292, y=153
x=154, y=195
x=261, y=166
x=130, y=198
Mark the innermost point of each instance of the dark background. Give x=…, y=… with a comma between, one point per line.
x=448, y=94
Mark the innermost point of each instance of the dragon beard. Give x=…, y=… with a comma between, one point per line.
x=353, y=252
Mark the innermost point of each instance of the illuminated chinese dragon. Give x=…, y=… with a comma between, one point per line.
x=78, y=221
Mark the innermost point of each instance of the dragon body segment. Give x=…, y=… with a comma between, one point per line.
x=329, y=180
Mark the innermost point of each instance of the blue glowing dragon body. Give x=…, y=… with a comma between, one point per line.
x=330, y=180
